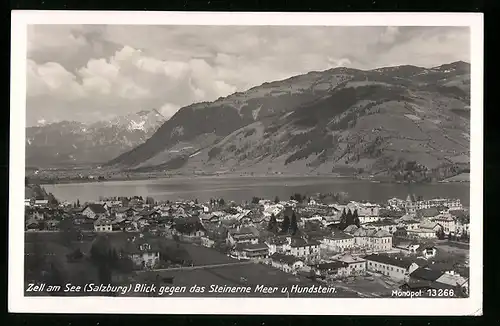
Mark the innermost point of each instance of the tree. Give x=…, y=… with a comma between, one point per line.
x=26, y=181
x=276, y=200
x=298, y=197
x=285, y=226
x=101, y=255
x=222, y=202
x=42, y=225
x=356, y=218
x=440, y=234
x=349, y=218
x=78, y=203
x=255, y=200
x=293, y=224
x=150, y=201
x=343, y=220
x=68, y=231
x=52, y=200
x=273, y=224
x=196, y=201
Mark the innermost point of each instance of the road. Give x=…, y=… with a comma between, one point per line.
x=190, y=268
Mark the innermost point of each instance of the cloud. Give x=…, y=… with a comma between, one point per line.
x=51, y=79
x=115, y=70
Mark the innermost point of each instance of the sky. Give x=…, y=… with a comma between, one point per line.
x=89, y=73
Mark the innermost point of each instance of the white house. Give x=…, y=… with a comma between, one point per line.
x=333, y=269
x=286, y=263
x=302, y=248
x=338, y=242
x=94, y=211
x=448, y=222
x=279, y=245
x=144, y=254
x=103, y=225
x=243, y=235
x=355, y=265
x=41, y=202
x=386, y=225
x=398, y=269
x=364, y=209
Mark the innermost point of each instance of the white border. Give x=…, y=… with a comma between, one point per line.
x=293, y=306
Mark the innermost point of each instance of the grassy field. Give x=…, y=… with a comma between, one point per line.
x=242, y=275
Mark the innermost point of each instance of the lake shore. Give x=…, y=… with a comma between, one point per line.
x=144, y=177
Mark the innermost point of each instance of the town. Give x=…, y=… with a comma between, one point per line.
x=367, y=249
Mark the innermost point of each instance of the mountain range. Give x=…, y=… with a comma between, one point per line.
x=73, y=143
x=401, y=122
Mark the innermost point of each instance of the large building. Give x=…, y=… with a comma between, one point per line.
x=338, y=242
x=398, y=269
x=412, y=205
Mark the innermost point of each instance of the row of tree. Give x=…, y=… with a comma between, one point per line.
x=216, y=202
x=287, y=226
x=349, y=218
x=452, y=237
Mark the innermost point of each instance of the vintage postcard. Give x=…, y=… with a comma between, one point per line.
x=246, y=163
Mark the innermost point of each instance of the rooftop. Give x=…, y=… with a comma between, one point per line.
x=96, y=208
x=426, y=274
x=393, y=261
x=288, y=259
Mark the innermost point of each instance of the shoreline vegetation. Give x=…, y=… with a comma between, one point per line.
x=46, y=180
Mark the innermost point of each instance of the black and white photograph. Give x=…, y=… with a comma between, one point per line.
x=184, y=156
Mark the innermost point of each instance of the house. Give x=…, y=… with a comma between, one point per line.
x=302, y=248
x=448, y=223
x=350, y=229
x=333, y=269
x=243, y=235
x=39, y=215
x=338, y=242
x=364, y=209
x=52, y=224
x=426, y=230
x=120, y=223
x=103, y=225
x=408, y=248
x=381, y=241
x=372, y=240
x=400, y=232
x=278, y=244
x=150, y=214
x=424, y=275
x=355, y=265
x=428, y=212
x=207, y=241
x=27, y=202
x=32, y=224
x=368, y=219
x=286, y=263
x=251, y=251
x=428, y=252
x=41, y=203
x=387, y=225
x=124, y=212
x=409, y=224
x=398, y=269
x=209, y=218
x=95, y=211
x=144, y=253
x=188, y=229
x=455, y=281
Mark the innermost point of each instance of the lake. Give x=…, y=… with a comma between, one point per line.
x=242, y=189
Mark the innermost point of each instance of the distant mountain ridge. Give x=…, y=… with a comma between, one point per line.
x=402, y=122
x=71, y=142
